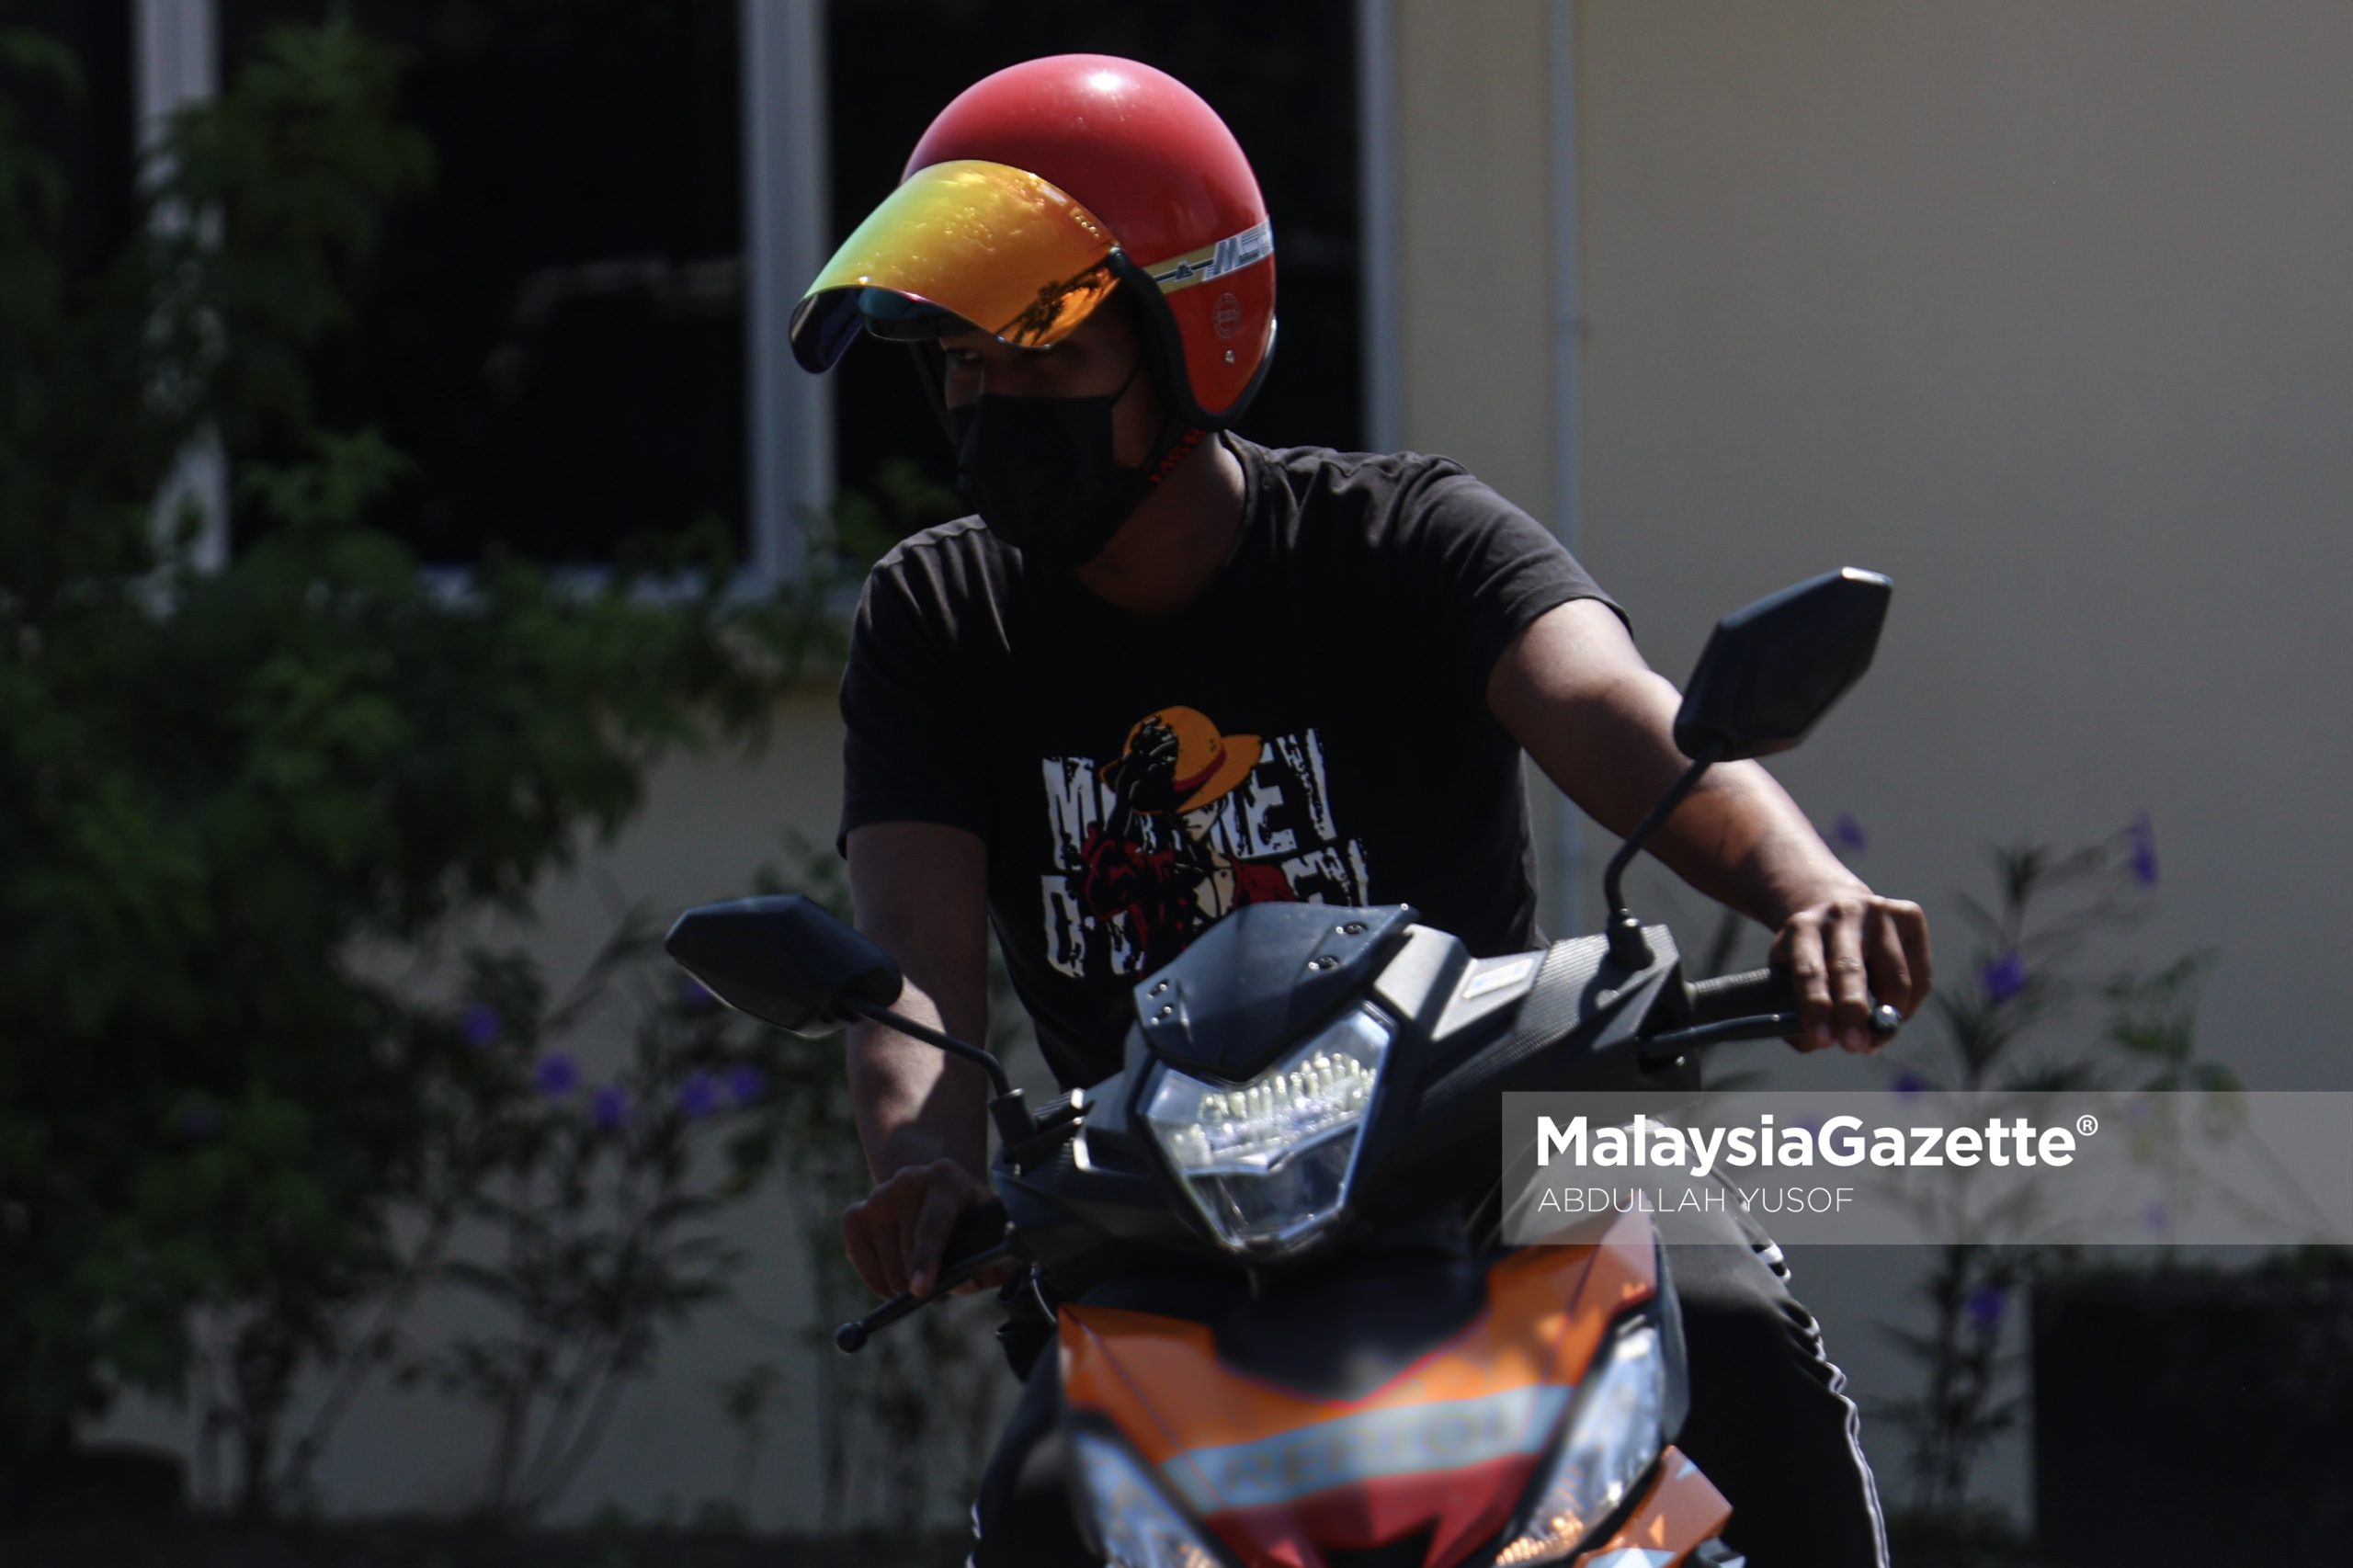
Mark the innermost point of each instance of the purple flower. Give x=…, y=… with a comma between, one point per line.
x=557, y=1075
x=1848, y=835
x=2003, y=978
x=747, y=1083
x=2144, y=851
x=199, y=1122
x=1986, y=1304
x=699, y=1095
x=2158, y=1219
x=610, y=1106
x=1908, y=1084
x=481, y=1024
x=694, y=995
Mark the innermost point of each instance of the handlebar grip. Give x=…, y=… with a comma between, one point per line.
x=977, y=1230
x=980, y=1229
x=1744, y=995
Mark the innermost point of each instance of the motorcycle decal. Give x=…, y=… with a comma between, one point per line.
x=1185, y=824
x=1372, y=1445
x=1451, y=1444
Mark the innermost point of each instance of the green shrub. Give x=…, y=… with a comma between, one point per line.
x=219, y=785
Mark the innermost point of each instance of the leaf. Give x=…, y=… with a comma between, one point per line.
x=36, y=53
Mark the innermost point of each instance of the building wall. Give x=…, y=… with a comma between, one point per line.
x=2041, y=310
x=1473, y=239
x=1474, y=231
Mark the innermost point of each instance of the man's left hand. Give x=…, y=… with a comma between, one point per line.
x=1844, y=949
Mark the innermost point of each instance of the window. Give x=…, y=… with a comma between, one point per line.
x=579, y=334
x=88, y=134
x=555, y=335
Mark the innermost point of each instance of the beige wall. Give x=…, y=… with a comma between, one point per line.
x=2043, y=309
x=1473, y=229
x=1475, y=236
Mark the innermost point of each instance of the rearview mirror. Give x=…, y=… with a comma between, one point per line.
x=784, y=960
x=1769, y=671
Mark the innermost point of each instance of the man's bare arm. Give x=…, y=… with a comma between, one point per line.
x=920, y=891
x=1574, y=691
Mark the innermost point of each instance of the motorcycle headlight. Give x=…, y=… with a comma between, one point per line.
x=1269, y=1161
x=1136, y=1526
x=1612, y=1437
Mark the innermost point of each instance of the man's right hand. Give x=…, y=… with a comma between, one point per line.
x=896, y=1234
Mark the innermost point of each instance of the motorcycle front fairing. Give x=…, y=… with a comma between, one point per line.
x=1462, y=1030
x=1396, y=1391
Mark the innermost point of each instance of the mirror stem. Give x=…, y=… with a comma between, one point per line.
x=875, y=1013
x=1627, y=947
x=1013, y=1123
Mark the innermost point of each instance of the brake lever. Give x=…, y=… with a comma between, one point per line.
x=1885, y=1021
x=851, y=1337
x=1660, y=1051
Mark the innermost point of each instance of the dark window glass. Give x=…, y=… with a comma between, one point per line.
x=1282, y=77
x=555, y=335
x=90, y=134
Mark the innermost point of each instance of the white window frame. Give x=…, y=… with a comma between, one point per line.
x=786, y=216
x=176, y=61
x=1379, y=319
x=787, y=225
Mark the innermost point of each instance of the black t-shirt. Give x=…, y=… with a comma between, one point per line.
x=1313, y=726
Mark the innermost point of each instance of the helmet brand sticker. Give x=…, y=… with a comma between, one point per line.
x=1228, y=255
x=1226, y=319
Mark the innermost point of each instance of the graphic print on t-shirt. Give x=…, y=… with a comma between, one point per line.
x=1185, y=825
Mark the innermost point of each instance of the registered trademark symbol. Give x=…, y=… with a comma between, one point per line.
x=2087, y=1125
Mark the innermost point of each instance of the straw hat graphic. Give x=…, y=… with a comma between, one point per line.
x=1208, y=764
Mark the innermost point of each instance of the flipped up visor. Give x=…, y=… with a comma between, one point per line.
x=993, y=245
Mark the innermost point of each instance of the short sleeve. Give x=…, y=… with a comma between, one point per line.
x=912, y=749
x=1480, y=571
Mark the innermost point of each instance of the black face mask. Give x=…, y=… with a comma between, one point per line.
x=1041, y=473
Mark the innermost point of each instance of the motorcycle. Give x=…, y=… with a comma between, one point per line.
x=1271, y=1246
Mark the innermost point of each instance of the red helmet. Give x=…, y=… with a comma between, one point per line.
x=1035, y=193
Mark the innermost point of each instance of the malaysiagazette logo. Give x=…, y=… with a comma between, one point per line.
x=1911, y=1164
x=1843, y=1142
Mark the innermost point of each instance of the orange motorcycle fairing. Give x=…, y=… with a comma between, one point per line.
x=1448, y=1445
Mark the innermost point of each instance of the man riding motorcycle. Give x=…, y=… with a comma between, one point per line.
x=1165, y=671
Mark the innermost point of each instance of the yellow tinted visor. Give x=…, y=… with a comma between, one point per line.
x=996, y=245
